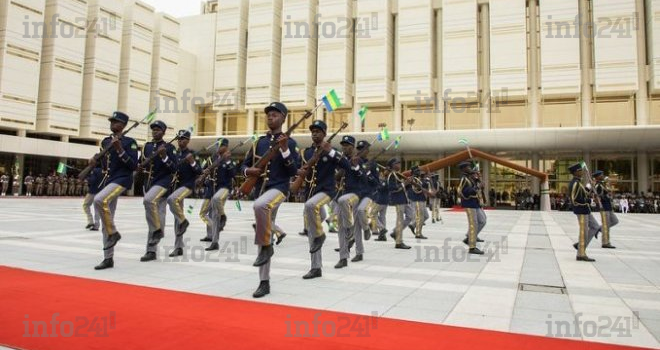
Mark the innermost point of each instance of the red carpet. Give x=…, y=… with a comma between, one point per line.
x=135, y=317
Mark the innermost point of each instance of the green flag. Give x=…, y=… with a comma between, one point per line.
x=61, y=168
x=384, y=134
x=397, y=142
x=151, y=116
x=463, y=142
x=363, y=113
x=238, y=205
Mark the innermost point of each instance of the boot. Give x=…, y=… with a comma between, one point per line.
x=263, y=290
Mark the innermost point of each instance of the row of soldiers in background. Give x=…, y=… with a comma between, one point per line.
x=51, y=185
x=621, y=203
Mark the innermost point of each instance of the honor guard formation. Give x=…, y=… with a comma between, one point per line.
x=346, y=188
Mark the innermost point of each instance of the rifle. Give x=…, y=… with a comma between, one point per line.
x=297, y=183
x=155, y=154
x=216, y=163
x=251, y=181
x=593, y=187
x=83, y=174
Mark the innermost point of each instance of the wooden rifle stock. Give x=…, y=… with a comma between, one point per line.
x=297, y=183
x=97, y=157
x=155, y=154
x=251, y=181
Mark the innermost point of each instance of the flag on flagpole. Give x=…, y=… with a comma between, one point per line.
x=238, y=205
x=384, y=134
x=583, y=164
x=331, y=101
x=463, y=142
x=397, y=142
x=61, y=168
x=363, y=113
x=255, y=137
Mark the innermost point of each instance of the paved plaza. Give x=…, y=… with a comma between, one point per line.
x=528, y=281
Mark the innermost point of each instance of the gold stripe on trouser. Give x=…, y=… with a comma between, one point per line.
x=605, y=227
x=581, y=239
x=154, y=208
x=204, y=210
x=178, y=204
x=472, y=230
x=398, y=230
x=351, y=203
x=106, y=215
x=268, y=236
x=317, y=215
x=372, y=209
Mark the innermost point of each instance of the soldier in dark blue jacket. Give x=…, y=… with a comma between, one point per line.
x=468, y=189
x=224, y=176
x=581, y=200
x=348, y=202
x=159, y=177
x=93, y=180
x=183, y=184
x=607, y=216
x=321, y=188
x=396, y=185
x=417, y=191
x=118, y=167
x=272, y=188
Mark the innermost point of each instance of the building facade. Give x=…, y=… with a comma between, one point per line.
x=542, y=83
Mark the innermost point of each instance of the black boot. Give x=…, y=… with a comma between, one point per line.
x=357, y=258
x=176, y=252
x=223, y=222
x=584, y=258
x=205, y=239
x=263, y=290
x=402, y=246
x=280, y=238
x=183, y=227
x=476, y=251
x=212, y=247
x=412, y=228
x=89, y=226
x=608, y=246
x=303, y=232
x=264, y=256
x=317, y=243
x=105, y=264
x=367, y=235
x=381, y=238
x=148, y=256
x=341, y=263
x=313, y=273
x=112, y=240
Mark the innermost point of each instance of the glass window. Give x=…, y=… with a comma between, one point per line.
x=235, y=123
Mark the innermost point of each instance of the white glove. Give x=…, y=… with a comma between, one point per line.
x=588, y=187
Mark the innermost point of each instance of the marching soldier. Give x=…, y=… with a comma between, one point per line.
x=50, y=185
x=159, y=177
x=581, y=201
x=398, y=195
x=417, y=196
x=205, y=209
x=5, y=184
x=380, y=203
x=79, y=188
x=435, y=200
x=348, y=204
x=118, y=166
x=183, y=185
x=273, y=188
x=94, y=179
x=468, y=190
x=224, y=175
x=29, y=185
x=64, y=185
x=40, y=185
x=370, y=184
x=321, y=190
x=608, y=218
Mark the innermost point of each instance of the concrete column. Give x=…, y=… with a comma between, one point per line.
x=357, y=123
x=398, y=116
x=533, y=66
x=21, y=133
x=64, y=138
x=536, y=182
x=586, y=155
x=484, y=14
x=250, y=122
x=440, y=103
x=642, y=101
x=585, y=62
x=642, y=171
x=219, y=123
x=545, y=196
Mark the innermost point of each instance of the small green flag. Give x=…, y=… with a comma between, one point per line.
x=151, y=116
x=583, y=164
x=384, y=134
x=61, y=168
x=397, y=142
x=463, y=142
x=238, y=205
x=363, y=113
x=190, y=209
